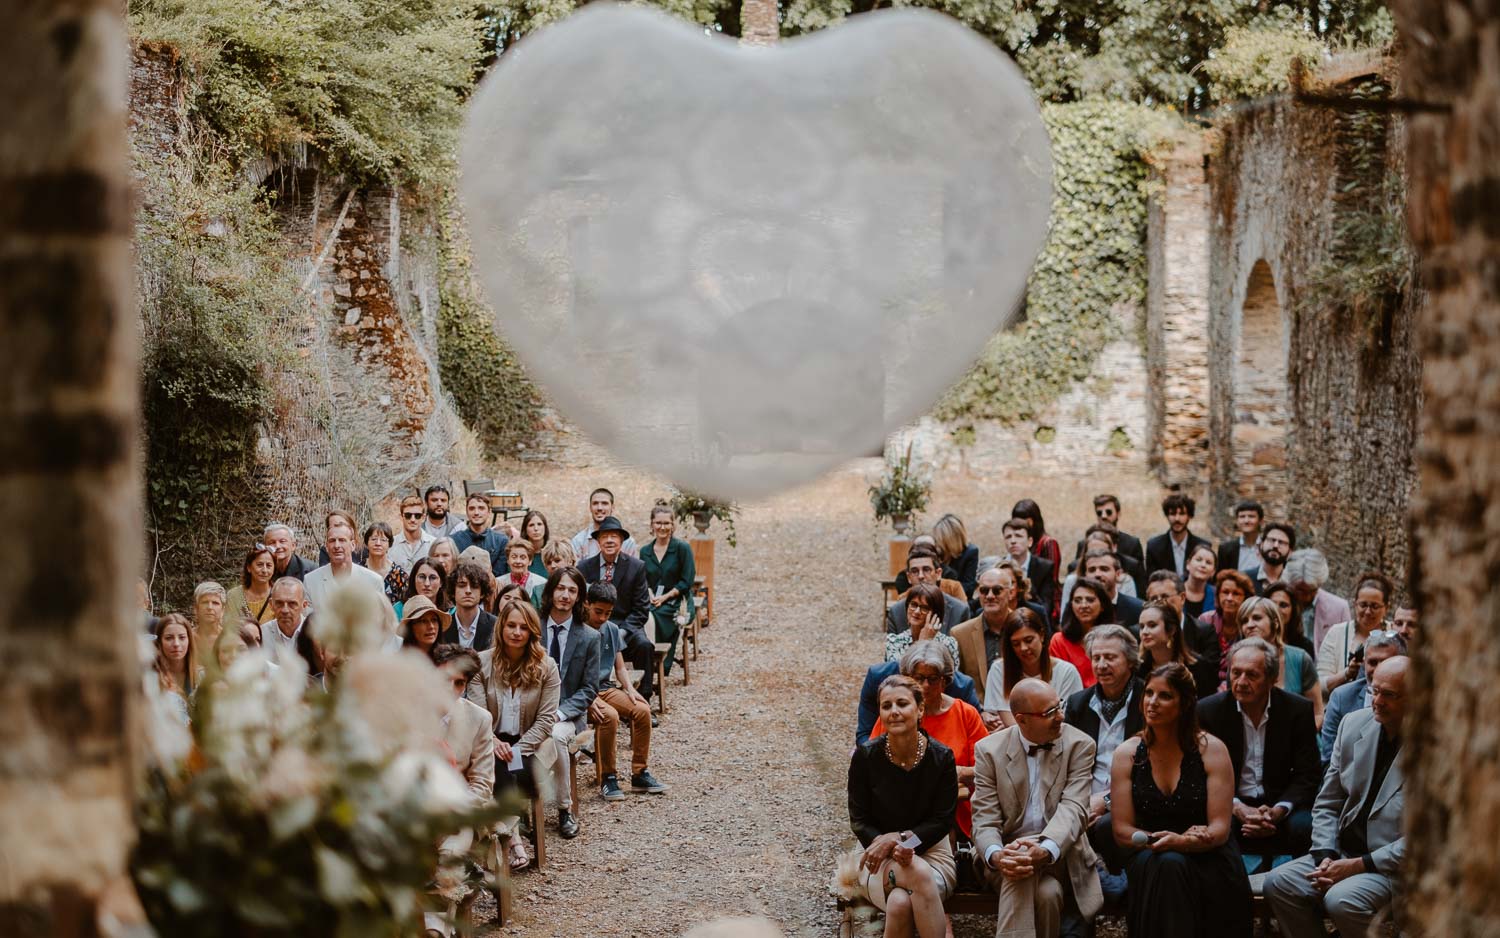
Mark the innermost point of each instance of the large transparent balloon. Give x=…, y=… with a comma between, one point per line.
x=741, y=266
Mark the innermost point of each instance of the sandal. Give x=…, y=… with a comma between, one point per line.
x=518, y=858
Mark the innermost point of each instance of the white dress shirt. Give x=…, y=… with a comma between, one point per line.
x=1179, y=552
x=1111, y=735
x=562, y=629
x=1249, y=558
x=466, y=633
x=1033, y=819
x=319, y=583
x=276, y=643
x=1251, y=782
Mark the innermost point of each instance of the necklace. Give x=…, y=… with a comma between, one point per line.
x=921, y=751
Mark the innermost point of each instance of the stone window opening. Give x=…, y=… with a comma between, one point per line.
x=1260, y=394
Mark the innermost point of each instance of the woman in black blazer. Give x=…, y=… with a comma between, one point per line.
x=903, y=792
x=960, y=558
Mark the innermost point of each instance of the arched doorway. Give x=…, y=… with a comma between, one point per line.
x=1260, y=395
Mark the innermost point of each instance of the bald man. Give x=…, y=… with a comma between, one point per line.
x=1357, y=838
x=1031, y=803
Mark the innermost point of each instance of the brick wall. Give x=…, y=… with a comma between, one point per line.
x=1312, y=407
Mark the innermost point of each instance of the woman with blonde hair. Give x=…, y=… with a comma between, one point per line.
x=444, y=553
x=521, y=691
x=960, y=558
x=1260, y=618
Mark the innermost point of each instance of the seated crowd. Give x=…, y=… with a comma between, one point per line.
x=538, y=635
x=1144, y=729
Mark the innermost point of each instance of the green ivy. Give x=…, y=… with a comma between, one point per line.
x=215, y=293
x=1093, y=259
x=1257, y=60
x=489, y=387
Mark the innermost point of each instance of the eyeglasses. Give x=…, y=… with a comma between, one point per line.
x=930, y=678
x=1047, y=714
x=1369, y=607
x=411, y=515
x=994, y=590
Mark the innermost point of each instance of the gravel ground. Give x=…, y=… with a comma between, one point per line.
x=755, y=750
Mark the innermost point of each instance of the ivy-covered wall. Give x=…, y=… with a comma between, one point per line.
x=1092, y=266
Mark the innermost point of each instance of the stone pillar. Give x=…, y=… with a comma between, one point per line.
x=1451, y=755
x=69, y=425
x=1177, y=236
x=758, y=23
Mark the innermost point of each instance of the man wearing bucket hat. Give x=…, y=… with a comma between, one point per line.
x=627, y=575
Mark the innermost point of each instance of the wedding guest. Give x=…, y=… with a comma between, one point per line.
x=252, y=598
x=669, y=578
x=1024, y=654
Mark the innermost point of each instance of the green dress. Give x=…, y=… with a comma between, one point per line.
x=675, y=571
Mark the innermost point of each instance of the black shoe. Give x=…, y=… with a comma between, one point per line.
x=646, y=782
x=611, y=789
x=654, y=721
x=567, y=825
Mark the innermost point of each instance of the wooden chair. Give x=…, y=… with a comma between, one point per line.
x=659, y=662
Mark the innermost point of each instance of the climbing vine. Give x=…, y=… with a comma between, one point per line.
x=1094, y=259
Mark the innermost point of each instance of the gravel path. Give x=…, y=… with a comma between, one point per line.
x=755, y=750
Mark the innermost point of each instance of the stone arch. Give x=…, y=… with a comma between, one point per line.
x=1261, y=411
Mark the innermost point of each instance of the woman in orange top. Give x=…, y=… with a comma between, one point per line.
x=1089, y=606
x=951, y=722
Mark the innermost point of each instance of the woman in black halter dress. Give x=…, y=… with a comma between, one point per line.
x=1172, y=787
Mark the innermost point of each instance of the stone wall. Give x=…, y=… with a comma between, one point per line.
x=1312, y=403
x=1098, y=426
x=1177, y=225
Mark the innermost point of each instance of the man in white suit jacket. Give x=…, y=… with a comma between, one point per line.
x=1357, y=839
x=1031, y=802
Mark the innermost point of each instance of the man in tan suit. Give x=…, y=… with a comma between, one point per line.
x=1030, y=801
x=470, y=744
x=979, y=638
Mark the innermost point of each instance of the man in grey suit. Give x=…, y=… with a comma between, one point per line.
x=1357, y=842
x=1355, y=695
x=1031, y=802
x=923, y=566
x=575, y=648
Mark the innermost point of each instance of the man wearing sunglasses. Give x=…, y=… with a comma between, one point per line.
x=414, y=542
x=1030, y=803
x=1107, y=510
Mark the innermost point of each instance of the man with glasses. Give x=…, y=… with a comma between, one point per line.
x=979, y=638
x=1358, y=840
x=414, y=541
x=1379, y=648
x=1031, y=824
x=923, y=566
x=1277, y=541
x=1107, y=510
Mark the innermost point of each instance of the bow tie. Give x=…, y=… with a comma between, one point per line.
x=1033, y=750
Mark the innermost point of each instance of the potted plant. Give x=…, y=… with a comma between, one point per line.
x=901, y=493
x=702, y=511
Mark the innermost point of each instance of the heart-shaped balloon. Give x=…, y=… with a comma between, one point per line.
x=740, y=266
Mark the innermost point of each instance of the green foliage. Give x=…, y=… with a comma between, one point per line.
x=1126, y=50
x=687, y=504
x=1369, y=267
x=377, y=87
x=1256, y=61
x=214, y=295
x=1094, y=258
x=509, y=20
x=902, y=490
x=489, y=387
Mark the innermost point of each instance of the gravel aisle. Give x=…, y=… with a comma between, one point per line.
x=756, y=748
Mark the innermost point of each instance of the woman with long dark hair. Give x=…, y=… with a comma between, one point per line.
x=1089, y=606
x=1162, y=642
x=537, y=532
x=1023, y=654
x=252, y=598
x=428, y=578
x=1171, y=794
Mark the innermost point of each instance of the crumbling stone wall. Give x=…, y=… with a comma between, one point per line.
x=1334, y=453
